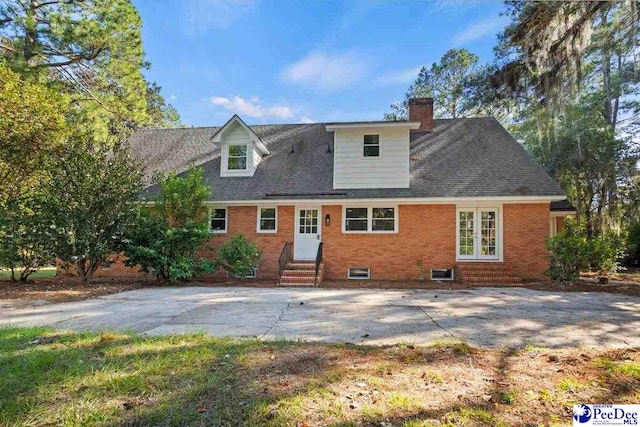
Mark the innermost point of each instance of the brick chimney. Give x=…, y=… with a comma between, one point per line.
x=421, y=110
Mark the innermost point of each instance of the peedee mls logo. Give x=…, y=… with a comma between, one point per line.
x=606, y=415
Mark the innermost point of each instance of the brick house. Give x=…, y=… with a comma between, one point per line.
x=372, y=200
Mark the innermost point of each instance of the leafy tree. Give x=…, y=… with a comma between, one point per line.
x=27, y=235
x=91, y=49
x=92, y=195
x=162, y=114
x=238, y=256
x=167, y=238
x=446, y=82
x=32, y=125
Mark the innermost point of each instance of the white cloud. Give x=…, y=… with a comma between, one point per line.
x=485, y=27
x=401, y=77
x=252, y=107
x=204, y=14
x=173, y=97
x=327, y=71
x=306, y=119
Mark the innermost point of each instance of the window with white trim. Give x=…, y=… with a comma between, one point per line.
x=371, y=146
x=218, y=220
x=370, y=220
x=237, y=159
x=267, y=220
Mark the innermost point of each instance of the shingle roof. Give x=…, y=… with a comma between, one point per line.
x=460, y=158
x=562, y=206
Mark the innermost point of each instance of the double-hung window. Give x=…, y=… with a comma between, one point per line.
x=371, y=146
x=370, y=220
x=237, y=157
x=267, y=220
x=218, y=220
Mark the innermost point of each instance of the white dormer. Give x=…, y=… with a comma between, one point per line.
x=241, y=148
x=371, y=155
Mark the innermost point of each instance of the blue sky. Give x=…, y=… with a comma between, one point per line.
x=302, y=61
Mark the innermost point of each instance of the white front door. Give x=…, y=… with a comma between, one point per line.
x=477, y=233
x=307, y=237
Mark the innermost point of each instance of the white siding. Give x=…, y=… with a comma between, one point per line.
x=353, y=170
x=237, y=135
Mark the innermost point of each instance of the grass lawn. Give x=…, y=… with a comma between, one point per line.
x=62, y=378
x=43, y=273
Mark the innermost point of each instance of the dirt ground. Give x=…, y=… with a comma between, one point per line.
x=448, y=384
x=65, y=290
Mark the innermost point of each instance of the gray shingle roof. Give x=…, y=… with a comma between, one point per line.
x=460, y=158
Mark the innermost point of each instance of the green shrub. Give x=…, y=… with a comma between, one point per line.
x=604, y=253
x=568, y=256
x=165, y=241
x=238, y=256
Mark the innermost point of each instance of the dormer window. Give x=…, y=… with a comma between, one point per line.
x=237, y=157
x=372, y=145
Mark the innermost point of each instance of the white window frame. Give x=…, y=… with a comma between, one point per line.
x=253, y=274
x=379, y=145
x=357, y=277
x=370, y=208
x=246, y=157
x=226, y=219
x=500, y=232
x=259, y=217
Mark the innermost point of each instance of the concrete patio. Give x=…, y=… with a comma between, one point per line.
x=492, y=317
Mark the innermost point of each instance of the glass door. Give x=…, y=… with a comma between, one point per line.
x=488, y=241
x=467, y=234
x=477, y=233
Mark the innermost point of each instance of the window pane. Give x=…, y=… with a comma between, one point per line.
x=382, y=225
x=356, y=213
x=237, y=163
x=268, y=213
x=237, y=151
x=267, y=224
x=383, y=213
x=371, y=139
x=371, y=151
x=356, y=225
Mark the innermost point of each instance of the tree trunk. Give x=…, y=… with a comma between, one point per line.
x=80, y=269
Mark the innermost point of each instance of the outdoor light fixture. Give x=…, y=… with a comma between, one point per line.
x=327, y=220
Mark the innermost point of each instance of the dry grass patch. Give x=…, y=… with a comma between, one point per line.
x=63, y=378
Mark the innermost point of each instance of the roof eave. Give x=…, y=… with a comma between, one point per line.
x=335, y=126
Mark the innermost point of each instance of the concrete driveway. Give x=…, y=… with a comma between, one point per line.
x=491, y=317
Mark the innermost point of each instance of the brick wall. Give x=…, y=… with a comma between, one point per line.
x=526, y=228
x=243, y=220
x=427, y=233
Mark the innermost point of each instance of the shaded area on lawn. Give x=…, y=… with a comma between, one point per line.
x=57, y=377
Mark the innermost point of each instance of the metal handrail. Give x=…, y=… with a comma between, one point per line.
x=285, y=257
x=318, y=262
